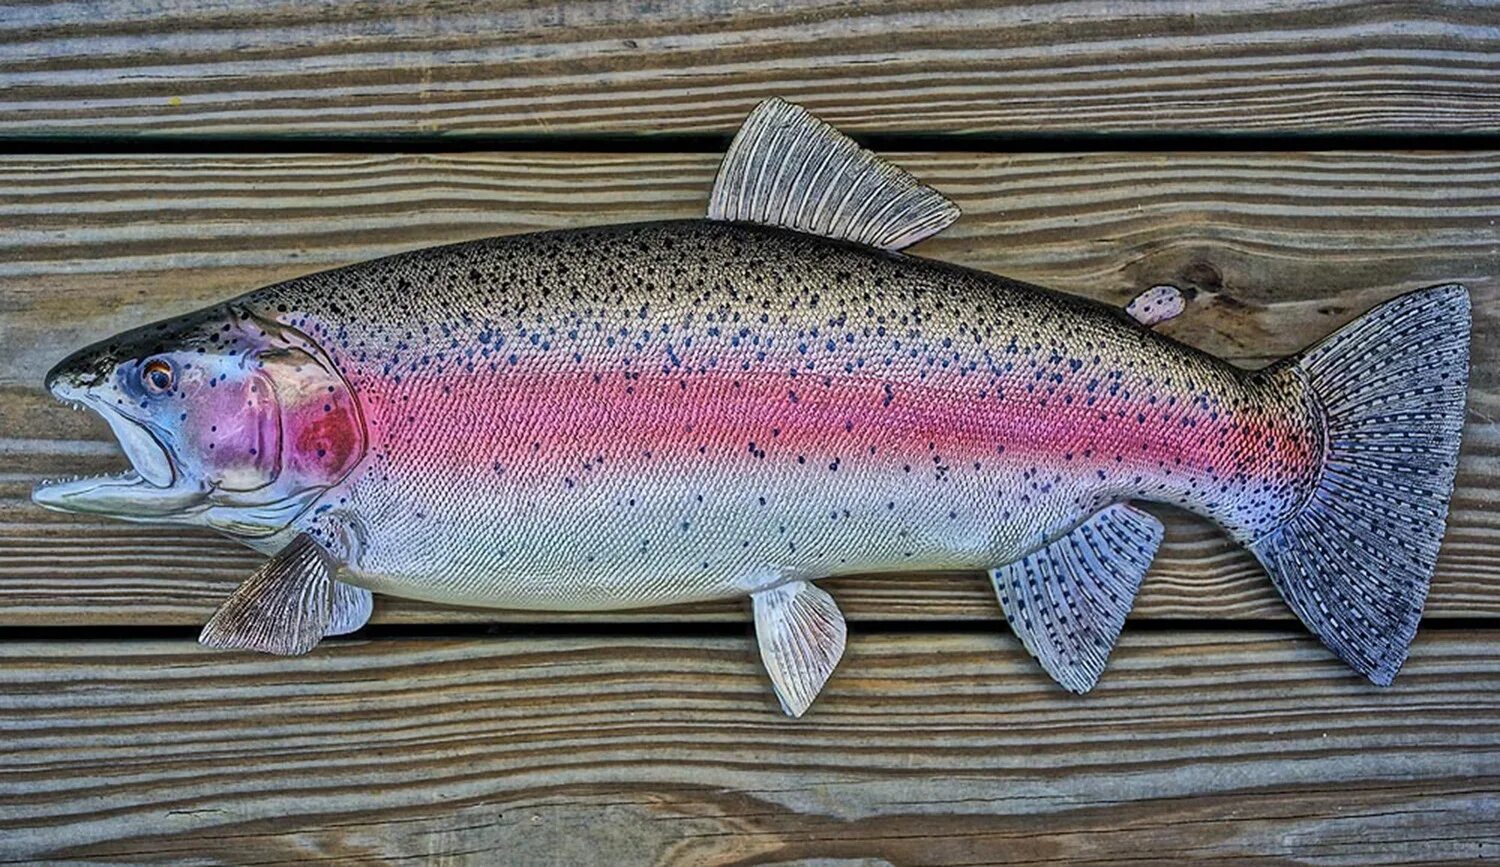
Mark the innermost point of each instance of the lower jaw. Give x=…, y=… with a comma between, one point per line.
x=126, y=497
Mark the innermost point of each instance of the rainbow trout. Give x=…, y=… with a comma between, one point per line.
x=669, y=412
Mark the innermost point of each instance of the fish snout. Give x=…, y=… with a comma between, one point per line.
x=70, y=379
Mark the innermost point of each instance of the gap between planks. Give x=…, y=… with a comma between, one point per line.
x=500, y=630
x=1021, y=142
x=247, y=68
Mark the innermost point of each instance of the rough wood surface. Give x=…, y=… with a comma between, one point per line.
x=1279, y=249
x=279, y=68
x=640, y=738
x=924, y=748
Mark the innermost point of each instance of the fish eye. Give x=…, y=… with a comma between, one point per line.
x=157, y=376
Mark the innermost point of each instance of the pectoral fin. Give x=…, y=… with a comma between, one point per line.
x=284, y=608
x=351, y=609
x=801, y=634
x=1068, y=601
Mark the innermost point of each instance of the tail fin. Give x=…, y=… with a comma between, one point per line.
x=1355, y=562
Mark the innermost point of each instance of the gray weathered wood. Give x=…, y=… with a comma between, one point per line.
x=1280, y=249
x=634, y=750
x=279, y=68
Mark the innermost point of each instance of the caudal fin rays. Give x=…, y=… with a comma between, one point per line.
x=1354, y=563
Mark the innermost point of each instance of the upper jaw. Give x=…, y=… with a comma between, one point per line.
x=149, y=490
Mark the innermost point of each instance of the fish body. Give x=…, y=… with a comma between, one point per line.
x=668, y=412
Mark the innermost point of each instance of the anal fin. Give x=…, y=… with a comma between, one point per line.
x=1068, y=601
x=284, y=608
x=801, y=633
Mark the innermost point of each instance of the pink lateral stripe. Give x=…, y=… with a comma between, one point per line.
x=557, y=415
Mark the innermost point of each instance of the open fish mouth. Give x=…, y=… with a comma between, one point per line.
x=150, y=489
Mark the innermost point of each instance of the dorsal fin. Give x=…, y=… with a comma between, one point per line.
x=786, y=168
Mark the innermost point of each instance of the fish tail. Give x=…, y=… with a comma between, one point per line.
x=1354, y=560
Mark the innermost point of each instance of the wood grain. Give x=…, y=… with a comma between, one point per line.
x=923, y=749
x=626, y=67
x=1279, y=249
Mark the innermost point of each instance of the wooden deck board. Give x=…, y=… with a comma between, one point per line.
x=284, y=68
x=1280, y=248
x=640, y=738
x=924, y=748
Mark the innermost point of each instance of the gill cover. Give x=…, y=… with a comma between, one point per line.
x=306, y=422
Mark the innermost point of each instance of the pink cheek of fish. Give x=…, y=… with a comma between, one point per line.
x=239, y=438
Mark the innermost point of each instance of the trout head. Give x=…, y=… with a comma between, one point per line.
x=229, y=420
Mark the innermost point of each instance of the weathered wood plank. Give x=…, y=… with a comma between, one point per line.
x=923, y=749
x=244, y=67
x=1281, y=248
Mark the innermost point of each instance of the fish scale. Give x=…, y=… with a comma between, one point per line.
x=659, y=413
